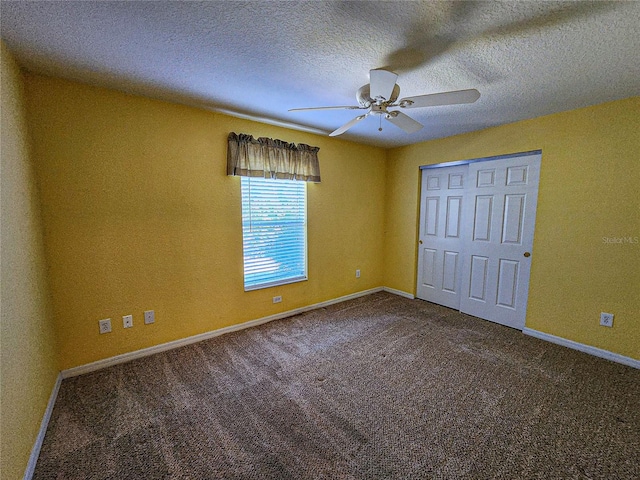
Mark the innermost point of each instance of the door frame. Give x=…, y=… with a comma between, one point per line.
x=480, y=159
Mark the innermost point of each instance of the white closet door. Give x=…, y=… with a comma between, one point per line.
x=499, y=210
x=440, y=235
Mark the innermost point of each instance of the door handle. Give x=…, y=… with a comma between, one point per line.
x=527, y=254
x=420, y=242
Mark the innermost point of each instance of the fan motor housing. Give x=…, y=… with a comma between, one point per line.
x=363, y=96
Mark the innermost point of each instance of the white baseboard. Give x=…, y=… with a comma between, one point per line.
x=35, y=451
x=399, y=292
x=127, y=357
x=597, y=352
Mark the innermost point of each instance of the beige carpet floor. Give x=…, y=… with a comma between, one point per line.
x=380, y=387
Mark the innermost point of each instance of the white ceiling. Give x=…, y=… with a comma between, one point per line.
x=262, y=58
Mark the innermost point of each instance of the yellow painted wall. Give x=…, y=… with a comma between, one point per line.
x=139, y=214
x=28, y=365
x=588, y=192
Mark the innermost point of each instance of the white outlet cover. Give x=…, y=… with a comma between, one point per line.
x=277, y=299
x=149, y=317
x=606, y=319
x=105, y=325
x=127, y=321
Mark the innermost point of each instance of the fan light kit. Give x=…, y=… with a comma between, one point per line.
x=383, y=92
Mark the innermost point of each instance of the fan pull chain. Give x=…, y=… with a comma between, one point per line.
x=380, y=127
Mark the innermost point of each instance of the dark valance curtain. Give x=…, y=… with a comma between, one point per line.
x=269, y=158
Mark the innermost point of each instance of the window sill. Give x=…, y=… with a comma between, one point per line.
x=275, y=284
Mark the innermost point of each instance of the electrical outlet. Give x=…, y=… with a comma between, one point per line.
x=149, y=317
x=606, y=319
x=105, y=325
x=127, y=321
x=357, y=273
x=277, y=299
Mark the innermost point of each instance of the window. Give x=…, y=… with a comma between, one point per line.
x=274, y=232
x=274, y=174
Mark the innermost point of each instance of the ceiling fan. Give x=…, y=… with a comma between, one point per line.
x=383, y=91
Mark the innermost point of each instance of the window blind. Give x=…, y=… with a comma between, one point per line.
x=274, y=232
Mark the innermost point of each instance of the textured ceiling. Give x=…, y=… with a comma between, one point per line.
x=262, y=58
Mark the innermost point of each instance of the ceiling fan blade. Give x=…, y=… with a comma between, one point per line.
x=437, y=99
x=349, y=107
x=381, y=83
x=347, y=126
x=403, y=121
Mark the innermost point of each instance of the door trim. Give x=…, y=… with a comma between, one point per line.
x=456, y=163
